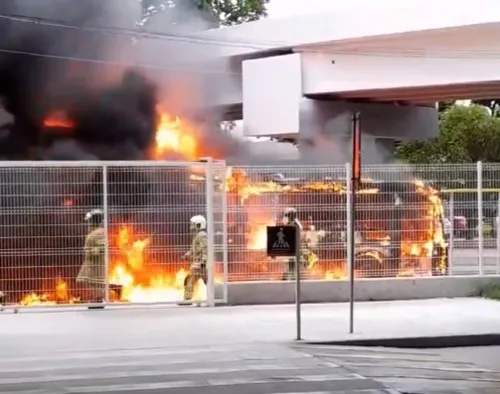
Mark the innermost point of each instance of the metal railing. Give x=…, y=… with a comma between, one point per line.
x=410, y=221
x=146, y=208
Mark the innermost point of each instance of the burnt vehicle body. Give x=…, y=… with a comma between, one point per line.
x=397, y=225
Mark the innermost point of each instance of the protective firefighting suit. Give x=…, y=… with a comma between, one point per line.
x=307, y=257
x=93, y=271
x=197, y=255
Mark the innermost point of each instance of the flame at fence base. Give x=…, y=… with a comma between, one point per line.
x=61, y=295
x=160, y=289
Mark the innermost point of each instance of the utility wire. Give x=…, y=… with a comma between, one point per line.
x=116, y=63
x=249, y=44
x=134, y=33
x=261, y=44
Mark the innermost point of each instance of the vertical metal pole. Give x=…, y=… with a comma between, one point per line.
x=209, y=200
x=105, y=210
x=352, y=254
x=497, y=230
x=480, y=235
x=348, y=237
x=355, y=178
x=298, y=253
x=225, y=253
x=451, y=215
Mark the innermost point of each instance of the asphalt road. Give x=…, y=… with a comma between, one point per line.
x=245, y=350
x=436, y=371
x=253, y=369
x=245, y=369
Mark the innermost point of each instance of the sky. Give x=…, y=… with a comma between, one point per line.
x=286, y=8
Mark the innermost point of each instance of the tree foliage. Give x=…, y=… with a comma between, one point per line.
x=466, y=135
x=493, y=104
x=226, y=12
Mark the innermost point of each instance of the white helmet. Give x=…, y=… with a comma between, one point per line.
x=198, y=222
x=95, y=216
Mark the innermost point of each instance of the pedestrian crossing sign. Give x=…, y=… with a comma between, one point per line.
x=281, y=241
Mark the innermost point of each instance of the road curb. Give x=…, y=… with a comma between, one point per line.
x=419, y=342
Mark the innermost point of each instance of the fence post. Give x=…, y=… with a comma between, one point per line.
x=105, y=211
x=480, y=234
x=209, y=200
x=225, y=252
x=451, y=215
x=497, y=233
x=348, y=220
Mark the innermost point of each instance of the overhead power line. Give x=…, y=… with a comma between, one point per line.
x=116, y=63
x=231, y=43
x=134, y=33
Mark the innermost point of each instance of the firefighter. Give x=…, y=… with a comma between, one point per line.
x=313, y=238
x=197, y=255
x=290, y=219
x=93, y=271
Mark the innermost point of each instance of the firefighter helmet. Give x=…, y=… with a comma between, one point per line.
x=198, y=222
x=94, y=217
x=290, y=214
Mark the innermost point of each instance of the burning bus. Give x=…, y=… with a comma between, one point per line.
x=399, y=227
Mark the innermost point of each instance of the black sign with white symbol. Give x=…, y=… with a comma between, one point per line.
x=281, y=241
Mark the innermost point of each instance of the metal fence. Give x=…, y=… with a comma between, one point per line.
x=147, y=207
x=410, y=221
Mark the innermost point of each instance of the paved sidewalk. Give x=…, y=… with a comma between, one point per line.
x=129, y=328
x=240, y=349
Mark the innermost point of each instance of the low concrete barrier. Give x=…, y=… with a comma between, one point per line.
x=261, y=293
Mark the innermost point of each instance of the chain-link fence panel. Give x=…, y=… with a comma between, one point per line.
x=490, y=201
x=217, y=171
x=42, y=229
x=156, y=213
x=429, y=221
x=258, y=196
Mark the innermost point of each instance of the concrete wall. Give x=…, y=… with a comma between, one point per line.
x=261, y=293
x=326, y=72
x=274, y=105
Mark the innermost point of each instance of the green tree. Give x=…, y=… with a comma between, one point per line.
x=222, y=12
x=466, y=135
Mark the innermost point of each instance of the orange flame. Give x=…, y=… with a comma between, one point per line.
x=58, y=119
x=142, y=280
x=257, y=238
x=175, y=135
x=419, y=243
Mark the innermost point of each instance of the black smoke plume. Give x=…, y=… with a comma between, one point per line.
x=112, y=111
x=37, y=78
